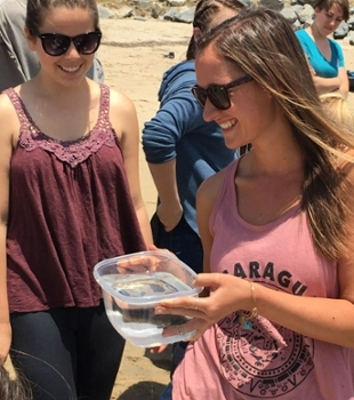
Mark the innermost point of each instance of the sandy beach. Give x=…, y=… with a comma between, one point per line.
x=133, y=55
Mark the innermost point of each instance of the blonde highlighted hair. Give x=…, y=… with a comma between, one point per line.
x=261, y=42
x=336, y=106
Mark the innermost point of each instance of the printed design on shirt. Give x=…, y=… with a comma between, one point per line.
x=265, y=361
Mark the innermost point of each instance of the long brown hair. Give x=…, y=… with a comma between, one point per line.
x=262, y=43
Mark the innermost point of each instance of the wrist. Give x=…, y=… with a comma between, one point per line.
x=248, y=316
x=172, y=203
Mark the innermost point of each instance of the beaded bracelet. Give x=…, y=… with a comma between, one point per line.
x=246, y=317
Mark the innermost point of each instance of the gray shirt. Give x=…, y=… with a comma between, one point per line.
x=17, y=62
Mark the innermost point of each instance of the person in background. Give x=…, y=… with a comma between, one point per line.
x=337, y=107
x=182, y=150
x=18, y=63
x=70, y=197
x=325, y=56
x=277, y=227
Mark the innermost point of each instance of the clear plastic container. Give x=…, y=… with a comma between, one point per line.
x=133, y=285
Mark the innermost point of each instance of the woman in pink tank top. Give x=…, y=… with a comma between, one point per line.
x=277, y=226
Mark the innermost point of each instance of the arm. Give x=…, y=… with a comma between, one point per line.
x=344, y=81
x=169, y=210
x=125, y=123
x=7, y=121
x=207, y=195
x=325, y=85
x=179, y=114
x=342, y=72
x=340, y=82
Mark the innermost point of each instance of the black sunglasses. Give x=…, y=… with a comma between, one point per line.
x=56, y=44
x=218, y=94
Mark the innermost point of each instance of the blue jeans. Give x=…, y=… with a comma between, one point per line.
x=167, y=393
x=182, y=241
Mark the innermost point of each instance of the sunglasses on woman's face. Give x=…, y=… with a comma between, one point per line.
x=56, y=44
x=218, y=94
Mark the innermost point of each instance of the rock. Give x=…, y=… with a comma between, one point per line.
x=156, y=10
x=185, y=16
x=305, y=13
x=289, y=14
x=350, y=38
x=273, y=4
x=104, y=12
x=171, y=14
x=350, y=22
x=176, y=3
x=297, y=25
x=341, y=31
x=124, y=12
x=298, y=12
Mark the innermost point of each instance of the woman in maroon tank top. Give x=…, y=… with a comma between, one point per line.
x=69, y=197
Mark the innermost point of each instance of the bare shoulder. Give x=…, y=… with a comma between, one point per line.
x=9, y=123
x=120, y=102
x=5, y=103
x=210, y=189
x=123, y=116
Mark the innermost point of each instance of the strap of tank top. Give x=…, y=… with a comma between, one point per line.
x=103, y=121
x=230, y=175
x=224, y=191
x=24, y=118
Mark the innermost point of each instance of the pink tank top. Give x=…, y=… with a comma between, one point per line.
x=266, y=361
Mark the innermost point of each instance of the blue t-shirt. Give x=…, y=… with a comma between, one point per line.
x=322, y=67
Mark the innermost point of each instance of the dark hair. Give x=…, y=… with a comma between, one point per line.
x=37, y=8
x=204, y=13
x=13, y=388
x=262, y=43
x=327, y=4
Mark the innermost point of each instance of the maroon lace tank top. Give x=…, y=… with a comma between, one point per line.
x=70, y=207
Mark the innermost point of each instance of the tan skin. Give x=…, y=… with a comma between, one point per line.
x=52, y=99
x=274, y=163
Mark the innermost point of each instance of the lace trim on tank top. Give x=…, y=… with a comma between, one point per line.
x=72, y=152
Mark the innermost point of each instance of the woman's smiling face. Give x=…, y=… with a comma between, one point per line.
x=252, y=108
x=70, y=68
